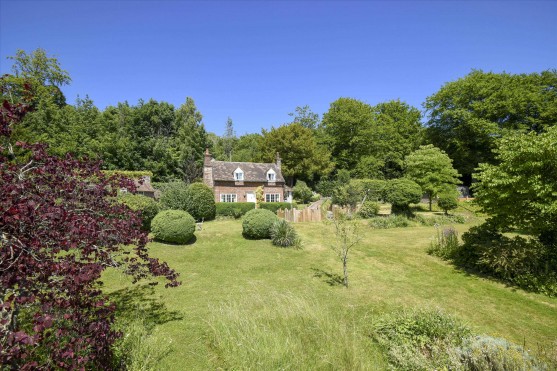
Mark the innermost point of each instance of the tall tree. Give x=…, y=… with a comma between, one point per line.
x=228, y=139
x=301, y=156
x=305, y=117
x=432, y=169
x=247, y=148
x=468, y=115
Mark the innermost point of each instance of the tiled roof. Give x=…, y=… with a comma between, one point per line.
x=253, y=172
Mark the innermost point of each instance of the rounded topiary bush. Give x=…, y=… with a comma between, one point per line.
x=257, y=223
x=174, y=196
x=174, y=226
x=200, y=202
x=147, y=207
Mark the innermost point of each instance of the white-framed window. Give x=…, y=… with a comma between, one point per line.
x=271, y=175
x=228, y=197
x=238, y=174
x=272, y=197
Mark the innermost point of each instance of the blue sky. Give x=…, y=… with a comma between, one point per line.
x=257, y=61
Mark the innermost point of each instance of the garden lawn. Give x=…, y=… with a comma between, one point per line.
x=247, y=304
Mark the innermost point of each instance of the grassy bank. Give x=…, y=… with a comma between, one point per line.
x=247, y=304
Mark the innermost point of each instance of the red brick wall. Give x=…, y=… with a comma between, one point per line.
x=241, y=189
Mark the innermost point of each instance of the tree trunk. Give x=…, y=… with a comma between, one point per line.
x=345, y=268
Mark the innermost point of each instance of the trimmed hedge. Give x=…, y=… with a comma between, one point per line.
x=257, y=224
x=274, y=206
x=235, y=209
x=147, y=207
x=200, y=202
x=174, y=196
x=175, y=226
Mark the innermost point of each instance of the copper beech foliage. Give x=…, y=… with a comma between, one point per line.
x=60, y=229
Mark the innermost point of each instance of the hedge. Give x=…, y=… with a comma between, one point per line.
x=274, y=206
x=257, y=224
x=147, y=207
x=200, y=202
x=235, y=209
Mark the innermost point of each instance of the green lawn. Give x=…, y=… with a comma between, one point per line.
x=247, y=304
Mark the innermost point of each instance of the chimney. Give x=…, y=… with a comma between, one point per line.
x=279, y=161
x=208, y=158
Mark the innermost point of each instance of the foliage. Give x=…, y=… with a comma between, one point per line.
x=134, y=174
x=200, y=202
x=325, y=187
x=228, y=140
x=60, y=229
x=247, y=148
x=301, y=155
x=174, y=196
x=432, y=169
x=391, y=221
x=274, y=206
x=489, y=353
x=348, y=195
x=421, y=339
x=466, y=116
x=305, y=117
x=347, y=236
x=432, y=220
x=520, y=193
x=445, y=243
x=373, y=189
x=284, y=235
x=146, y=206
x=257, y=224
x=524, y=262
x=174, y=226
x=369, y=209
x=234, y=209
x=301, y=192
x=259, y=195
x=447, y=199
x=401, y=193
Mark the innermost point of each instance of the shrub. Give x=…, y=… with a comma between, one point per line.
x=430, y=221
x=369, y=209
x=174, y=196
x=234, y=209
x=401, y=193
x=302, y=192
x=421, y=339
x=326, y=187
x=391, y=221
x=274, y=206
x=284, y=235
x=448, y=199
x=257, y=223
x=444, y=244
x=175, y=226
x=347, y=195
x=488, y=353
x=200, y=202
x=374, y=189
x=147, y=207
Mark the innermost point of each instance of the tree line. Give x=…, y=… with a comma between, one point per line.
x=464, y=119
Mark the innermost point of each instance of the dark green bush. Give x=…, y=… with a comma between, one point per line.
x=274, y=206
x=369, y=209
x=284, y=235
x=234, y=209
x=200, y=202
x=175, y=226
x=326, y=187
x=401, y=193
x=174, y=196
x=421, y=339
x=257, y=223
x=301, y=192
x=147, y=207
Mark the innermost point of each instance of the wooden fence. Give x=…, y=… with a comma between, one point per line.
x=305, y=215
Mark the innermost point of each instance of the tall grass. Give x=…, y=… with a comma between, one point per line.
x=279, y=331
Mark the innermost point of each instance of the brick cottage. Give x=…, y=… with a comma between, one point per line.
x=237, y=181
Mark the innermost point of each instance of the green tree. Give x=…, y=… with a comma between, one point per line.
x=247, y=148
x=520, y=192
x=400, y=193
x=228, y=139
x=432, y=169
x=301, y=156
x=347, y=236
x=305, y=117
x=448, y=199
x=468, y=115
x=302, y=192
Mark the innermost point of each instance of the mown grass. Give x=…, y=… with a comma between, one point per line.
x=246, y=304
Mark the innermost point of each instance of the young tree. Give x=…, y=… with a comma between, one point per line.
x=448, y=199
x=520, y=193
x=347, y=235
x=400, y=193
x=60, y=228
x=302, y=192
x=432, y=169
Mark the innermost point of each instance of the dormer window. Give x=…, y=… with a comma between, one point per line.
x=271, y=175
x=238, y=174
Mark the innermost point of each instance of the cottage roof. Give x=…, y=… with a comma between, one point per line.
x=253, y=172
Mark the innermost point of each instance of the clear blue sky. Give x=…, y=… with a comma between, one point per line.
x=257, y=61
